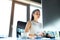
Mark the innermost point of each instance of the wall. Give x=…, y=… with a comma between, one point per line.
x=5, y=13
x=51, y=14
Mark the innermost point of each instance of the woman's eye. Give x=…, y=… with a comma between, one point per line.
x=37, y=14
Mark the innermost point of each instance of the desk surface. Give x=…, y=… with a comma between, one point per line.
x=10, y=38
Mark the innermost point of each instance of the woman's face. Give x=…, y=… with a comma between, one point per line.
x=36, y=14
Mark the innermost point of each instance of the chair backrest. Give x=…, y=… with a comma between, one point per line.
x=21, y=24
x=20, y=27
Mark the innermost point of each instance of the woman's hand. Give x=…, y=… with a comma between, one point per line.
x=41, y=34
x=32, y=35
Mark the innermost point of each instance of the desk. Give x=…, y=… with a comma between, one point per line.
x=11, y=38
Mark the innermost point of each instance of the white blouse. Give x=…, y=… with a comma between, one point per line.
x=36, y=27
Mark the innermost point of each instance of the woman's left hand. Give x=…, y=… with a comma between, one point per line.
x=41, y=34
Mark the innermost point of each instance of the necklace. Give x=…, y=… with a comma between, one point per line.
x=35, y=21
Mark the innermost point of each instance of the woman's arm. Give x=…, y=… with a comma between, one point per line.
x=28, y=26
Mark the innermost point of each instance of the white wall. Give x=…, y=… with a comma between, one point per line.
x=5, y=13
x=54, y=26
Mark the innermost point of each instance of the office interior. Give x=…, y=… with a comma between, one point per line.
x=22, y=23
x=50, y=16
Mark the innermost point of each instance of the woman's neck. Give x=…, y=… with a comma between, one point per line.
x=35, y=20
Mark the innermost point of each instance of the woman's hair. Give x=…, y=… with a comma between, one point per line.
x=32, y=17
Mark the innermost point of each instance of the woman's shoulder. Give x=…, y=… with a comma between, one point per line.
x=29, y=21
x=41, y=24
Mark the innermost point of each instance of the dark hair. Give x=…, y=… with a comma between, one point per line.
x=32, y=18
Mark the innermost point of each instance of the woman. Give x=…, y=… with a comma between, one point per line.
x=33, y=26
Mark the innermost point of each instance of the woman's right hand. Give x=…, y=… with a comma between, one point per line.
x=32, y=35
